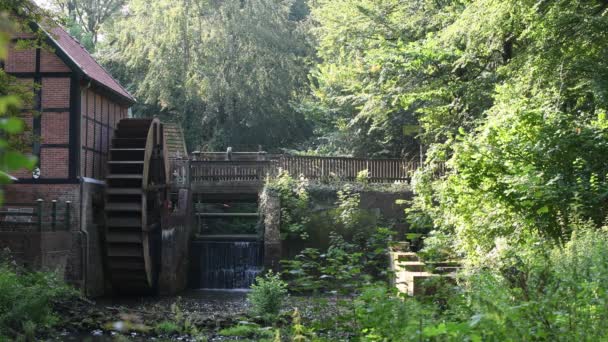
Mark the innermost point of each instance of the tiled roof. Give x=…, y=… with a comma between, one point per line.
x=86, y=63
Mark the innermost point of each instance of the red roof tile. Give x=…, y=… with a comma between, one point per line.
x=86, y=63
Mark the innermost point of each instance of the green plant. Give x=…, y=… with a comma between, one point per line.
x=182, y=320
x=294, y=204
x=267, y=295
x=166, y=328
x=363, y=177
x=27, y=298
x=297, y=328
x=344, y=267
x=247, y=330
x=348, y=212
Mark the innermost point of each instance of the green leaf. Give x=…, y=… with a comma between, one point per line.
x=12, y=125
x=14, y=161
x=543, y=210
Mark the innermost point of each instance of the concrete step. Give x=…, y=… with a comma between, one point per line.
x=406, y=256
x=411, y=266
x=401, y=246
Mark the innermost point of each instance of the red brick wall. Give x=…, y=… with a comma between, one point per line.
x=26, y=193
x=55, y=92
x=55, y=128
x=21, y=60
x=54, y=162
x=49, y=62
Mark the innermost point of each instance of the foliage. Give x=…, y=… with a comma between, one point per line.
x=377, y=74
x=295, y=203
x=85, y=18
x=182, y=320
x=348, y=212
x=344, y=267
x=13, y=95
x=438, y=246
x=247, y=330
x=546, y=292
x=363, y=177
x=216, y=67
x=267, y=295
x=166, y=328
x=27, y=298
x=85, y=38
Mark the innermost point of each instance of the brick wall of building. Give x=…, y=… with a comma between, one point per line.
x=49, y=62
x=55, y=92
x=20, y=60
x=55, y=128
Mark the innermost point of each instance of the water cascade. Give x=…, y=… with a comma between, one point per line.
x=229, y=264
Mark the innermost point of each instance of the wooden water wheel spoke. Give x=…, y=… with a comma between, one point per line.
x=135, y=193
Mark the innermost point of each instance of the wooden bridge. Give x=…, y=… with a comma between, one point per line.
x=246, y=172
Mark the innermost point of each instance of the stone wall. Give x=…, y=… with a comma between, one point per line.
x=175, y=246
x=90, y=240
x=381, y=205
x=270, y=208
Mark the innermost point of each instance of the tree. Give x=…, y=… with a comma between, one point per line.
x=226, y=70
x=533, y=162
x=86, y=17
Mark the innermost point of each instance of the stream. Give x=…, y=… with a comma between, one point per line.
x=215, y=307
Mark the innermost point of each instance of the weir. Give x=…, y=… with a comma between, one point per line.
x=225, y=264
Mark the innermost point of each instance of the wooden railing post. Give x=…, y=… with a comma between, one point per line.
x=39, y=213
x=68, y=206
x=53, y=215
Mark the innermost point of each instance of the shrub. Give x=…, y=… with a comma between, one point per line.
x=247, y=330
x=166, y=328
x=344, y=267
x=267, y=295
x=27, y=298
x=294, y=205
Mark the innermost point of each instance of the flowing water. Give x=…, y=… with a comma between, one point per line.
x=225, y=264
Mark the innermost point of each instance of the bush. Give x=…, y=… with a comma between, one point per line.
x=344, y=267
x=248, y=331
x=27, y=298
x=167, y=328
x=294, y=205
x=267, y=295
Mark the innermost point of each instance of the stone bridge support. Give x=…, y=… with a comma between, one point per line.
x=270, y=208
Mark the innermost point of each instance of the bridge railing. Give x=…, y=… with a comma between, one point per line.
x=229, y=171
x=347, y=169
x=214, y=170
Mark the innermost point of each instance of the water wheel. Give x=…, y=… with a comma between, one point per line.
x=135, y=198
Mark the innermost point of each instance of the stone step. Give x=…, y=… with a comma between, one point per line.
x=411, y=266
x=401, y=246
x=406, y=256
